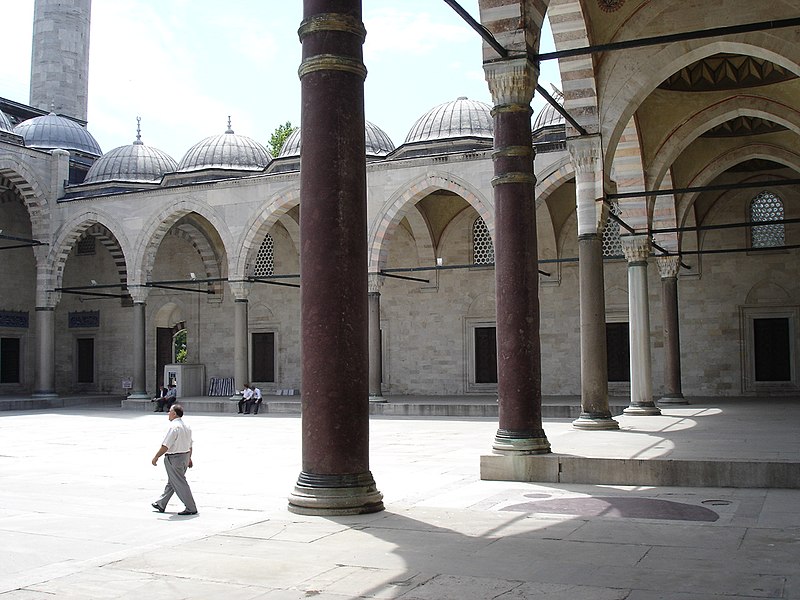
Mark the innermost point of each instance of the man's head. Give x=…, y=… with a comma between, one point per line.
x=175, y=412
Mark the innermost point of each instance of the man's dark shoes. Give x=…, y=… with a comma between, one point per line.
x=185, y=513
x=157, y=507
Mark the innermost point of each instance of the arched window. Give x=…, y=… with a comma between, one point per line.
x=265, y=259
x=482, y=247
x=767, y=207
x=612, y=244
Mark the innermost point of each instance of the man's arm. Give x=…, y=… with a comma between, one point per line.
x=160, y=453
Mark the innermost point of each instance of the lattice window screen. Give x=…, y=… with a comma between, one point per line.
x=767, y=207
x=265, y=259
x=482, y=247
x=612, y=244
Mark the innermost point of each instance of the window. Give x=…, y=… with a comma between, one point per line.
x=265, y=259
x=9, y=360
x=482, y=247
x=87, y=245
x=772, y=349
x=481, y=347
x=767, y=207
x=612, y=244
x=769, y=339
x=263, y=357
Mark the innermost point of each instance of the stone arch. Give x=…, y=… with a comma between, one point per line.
x=169, y=314
x=260, y=224
x=768, y=292
x=31, y=190
x=729, y=159
x=562, y=172
x=568, y=24
x=388, y=219
x=99, y=224
x=620, y=104
x=709, y=117
x=212, y=269
x=160, y=223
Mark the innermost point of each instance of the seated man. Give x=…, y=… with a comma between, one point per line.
x=162, y=393
x=256, y=399
x=169, y=399
x=247, y=395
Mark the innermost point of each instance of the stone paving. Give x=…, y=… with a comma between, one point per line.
x=76, y=521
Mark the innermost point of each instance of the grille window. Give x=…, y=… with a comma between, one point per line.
x=612, y=244
x=767, y=207
x=265, y=259
x=482, y=247
x=86, y=245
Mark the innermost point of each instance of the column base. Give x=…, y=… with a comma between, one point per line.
x=595, y=422
x=673, y=399
x=520, y=442
x=377, y=398
x=331, y=495
x=642, y=410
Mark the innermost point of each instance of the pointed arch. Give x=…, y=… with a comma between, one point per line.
x=31, y=190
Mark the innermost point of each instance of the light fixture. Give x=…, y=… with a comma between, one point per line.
x=192, y=275
x=93, y=282
x=438, y=261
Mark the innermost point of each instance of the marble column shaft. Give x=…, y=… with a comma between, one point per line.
x=668, y=267
x=240, y=291
x=46, y=355
x=335, y=477
x=519, y=378
x=637, y=251
x=139, y=333
x=375, y=362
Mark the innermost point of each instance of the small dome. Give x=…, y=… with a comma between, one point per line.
x=51, y=131
x=549, y=115
x=459, y=118
x=377, y=141
x=5, y=124
x=226, y=151
x=134, y=163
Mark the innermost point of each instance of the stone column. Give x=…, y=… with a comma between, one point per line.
x=240, y=291
x=335, y=477
x=586, y=155
x=519, y=365
x=46, y=353
x=637, y=250
x=375, y=362
x=139, y=334
x=668, y=267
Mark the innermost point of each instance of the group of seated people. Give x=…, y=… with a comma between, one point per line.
x=167, y=395
x=251, y=398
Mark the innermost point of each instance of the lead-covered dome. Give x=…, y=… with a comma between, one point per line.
x=377, y=141
x=549, y=115
x=5, y=124
x=135, y=163
x=456, y=119
x=226, y=151
x=49, y=132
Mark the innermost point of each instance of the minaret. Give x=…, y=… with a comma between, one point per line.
x=60, y=56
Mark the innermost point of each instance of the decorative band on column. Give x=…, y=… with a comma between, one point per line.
x=509, y=151
x=332, y=62
x=514, y=177
x=511, y=108
x=332, y=22
x=521, y=442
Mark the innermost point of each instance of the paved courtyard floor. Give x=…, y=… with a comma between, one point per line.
x=76, y=522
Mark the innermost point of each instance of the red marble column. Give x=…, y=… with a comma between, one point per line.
x=335, y=477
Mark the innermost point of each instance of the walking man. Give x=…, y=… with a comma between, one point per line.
x=177, y=446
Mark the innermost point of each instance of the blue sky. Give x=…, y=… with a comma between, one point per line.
x=185, y=65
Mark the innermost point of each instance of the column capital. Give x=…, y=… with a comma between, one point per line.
x=636, y=247
x=375, y=282
x=240, y=289
x=138, y=293
x=511, y=81
x=585, y=153
x=47, y=299
x=668, y=266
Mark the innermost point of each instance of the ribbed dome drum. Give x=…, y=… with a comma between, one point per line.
x=226, y=151
x=134, y=163
x=378, y=143
x=455, y=119
x=5, y=124
x=51, y=131
x=549, y=115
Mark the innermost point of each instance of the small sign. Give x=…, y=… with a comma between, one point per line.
x=127, y=383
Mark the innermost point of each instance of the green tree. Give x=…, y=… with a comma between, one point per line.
x=180, y=346
x=279, y=136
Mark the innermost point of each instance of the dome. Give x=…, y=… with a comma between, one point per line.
x=549, y=115
x=51, y=131
x=226, y=151
x=377, y=141
x=5, y=124
x=134, y=163
x=459, y=118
